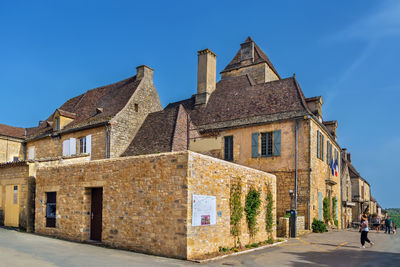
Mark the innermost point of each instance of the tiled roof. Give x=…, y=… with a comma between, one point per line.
x=156, y=133
x=110, y=98
x=237, y=99
x=259, y=57
x=12, y=131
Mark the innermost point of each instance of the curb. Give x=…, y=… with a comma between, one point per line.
x=238, y=253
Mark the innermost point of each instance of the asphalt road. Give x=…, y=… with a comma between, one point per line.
x=340, y=248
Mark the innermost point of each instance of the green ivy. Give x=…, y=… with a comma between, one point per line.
x=334, y=202
x=269, y=218
x=236, y=209
x=318, y=226
x=252, y=209
x=326, y=207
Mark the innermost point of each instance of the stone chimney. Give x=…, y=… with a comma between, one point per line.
x=206, y=76
x=144, y=71
x=349, y=157
x=247, y=51
x=315, y=105
x=331, y=126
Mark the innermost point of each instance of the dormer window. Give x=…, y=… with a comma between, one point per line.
x=57, y=123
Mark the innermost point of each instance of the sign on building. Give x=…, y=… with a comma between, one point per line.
x=204, y=210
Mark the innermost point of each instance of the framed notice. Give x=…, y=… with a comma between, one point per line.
x=204, y=210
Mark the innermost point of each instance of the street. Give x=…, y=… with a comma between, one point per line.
x=339, y=248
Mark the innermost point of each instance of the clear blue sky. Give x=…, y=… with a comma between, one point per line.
x=346, y=51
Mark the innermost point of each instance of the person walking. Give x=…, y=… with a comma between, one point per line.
x=364, y=231
x=388, y=224
x=377, y=223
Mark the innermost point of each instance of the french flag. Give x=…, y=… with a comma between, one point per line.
x=336, y=166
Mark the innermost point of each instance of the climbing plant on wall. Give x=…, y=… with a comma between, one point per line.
x=236, y=208
x=334, y=215
x=269, y=216
x=326, y=211
x=252, y=209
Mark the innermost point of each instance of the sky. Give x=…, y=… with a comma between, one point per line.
x=345, y=51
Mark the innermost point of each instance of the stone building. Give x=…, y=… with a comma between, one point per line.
x=254, y=118
x=345, y=180
x=148, y=203
x=360, y=193
x=98, y=124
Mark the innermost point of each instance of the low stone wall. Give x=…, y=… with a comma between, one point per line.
x=147, y=202
x=17, y=174
x=284, y=227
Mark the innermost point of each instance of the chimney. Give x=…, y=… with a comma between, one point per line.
x=144, y=71
x=349, y=157
x=206, y=76
x=315, y=105
x=331, y=126
x=247, y=50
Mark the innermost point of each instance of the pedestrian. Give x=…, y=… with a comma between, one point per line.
x=377, y=223
x=388, y=223
x=394, y=229
x=364, y=231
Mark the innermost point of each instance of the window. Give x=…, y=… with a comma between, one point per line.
x=82, y=145
x=228, y=151
x=15, y=194
x=57, y=123
x=136, y=107
x=31, y=153
x=51, y=209
x=320, y=145
x=266, y=144
x=328, y=152
x=69, y=147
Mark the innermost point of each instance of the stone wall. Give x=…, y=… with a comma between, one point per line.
x=50, y=147
x=10, y=148
x=127, y=122
x=209, y=176
x=16, y=174
x=260, y=73
x=146, y=201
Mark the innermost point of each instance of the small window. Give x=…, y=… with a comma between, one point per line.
x=57, y=123
x=267, y=144
x=136, y=107
x=51, y=209
x=15, y=195
x=82, y=145
x=228, y=151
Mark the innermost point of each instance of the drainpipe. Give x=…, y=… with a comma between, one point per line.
x=341, y=190
x=7, y=150
x=107, y=141
x=309, y=174
x=296, y=176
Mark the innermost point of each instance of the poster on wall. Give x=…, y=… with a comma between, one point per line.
x=204, y=210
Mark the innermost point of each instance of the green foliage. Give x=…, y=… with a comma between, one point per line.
x=334, y=202
x=394, y=215
x=336, y=222
x=287, y=215
x=280, y=240
x=269, y=216
x=326, y=209
x=254, y=245
x=236, y=209
x=247, y=246
x=223, y=249
x=252, y=209
x=270, y=241
x=318, y=226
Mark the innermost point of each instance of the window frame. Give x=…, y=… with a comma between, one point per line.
x=84, y=150
x=267, y=138
x=51, y=204
x=228, y=154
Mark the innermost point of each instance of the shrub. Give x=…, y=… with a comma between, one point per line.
x=334, y=203
x=336, y=223
x=326, y=209
x=318, y=226
x=287, y=215
x=236, y=209
x=270, y=241
x=254, y=245
x=252, y=209
x=269, y=217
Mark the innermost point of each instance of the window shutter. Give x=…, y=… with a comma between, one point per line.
x=323, y=147
x=89, y=145
x=318, y=145
x=254, y=145
x=277, y=143
x=320, y=206
x=66, y=148
x=72, y=146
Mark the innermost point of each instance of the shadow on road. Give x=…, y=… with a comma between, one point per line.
x=346, y=258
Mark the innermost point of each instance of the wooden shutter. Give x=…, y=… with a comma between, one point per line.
x=277, y=143
x=72, y=146
x=66, y=148
x=318, y=145
x=89, y=145
x=254, y=145
x=323, y=147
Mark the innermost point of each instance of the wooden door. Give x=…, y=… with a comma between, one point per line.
x=96, y=214
x=11, y=207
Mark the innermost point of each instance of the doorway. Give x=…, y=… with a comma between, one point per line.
x=96, y=214
x=11, y=211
